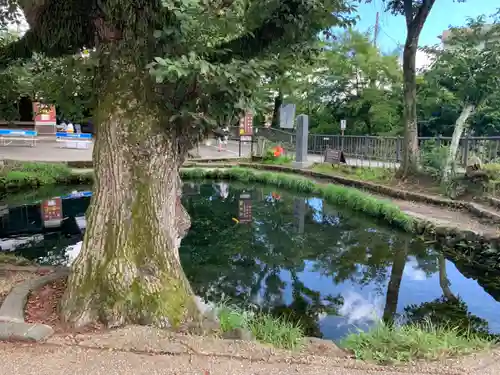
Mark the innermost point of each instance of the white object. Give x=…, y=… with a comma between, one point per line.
x=343, y=124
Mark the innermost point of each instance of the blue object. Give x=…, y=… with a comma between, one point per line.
x=73, y=135
x=78, y=194
x=27, y=133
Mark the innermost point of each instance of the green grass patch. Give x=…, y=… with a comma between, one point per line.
x=382, y=175
x=339, y=195
x=19, y=175
x=279, y=160
x=268, y=329
x=6, y=258
x=397, y=344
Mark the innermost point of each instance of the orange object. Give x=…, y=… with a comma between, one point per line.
x=278, y=151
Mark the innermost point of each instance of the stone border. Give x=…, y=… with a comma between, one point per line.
x=12, y=323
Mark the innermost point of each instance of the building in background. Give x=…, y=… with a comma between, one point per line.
x=447, y=35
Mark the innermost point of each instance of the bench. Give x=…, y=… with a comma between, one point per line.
x=74, y=140
x=27, y=137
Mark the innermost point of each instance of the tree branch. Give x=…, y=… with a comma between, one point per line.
x=292, y=22
x=418, y=21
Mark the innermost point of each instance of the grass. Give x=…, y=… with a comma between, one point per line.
x=278, y=332
x=19, y=175
x=343, y=196
x=396, y=344
x=6, y=258
x=381, y=175
x=280, y=160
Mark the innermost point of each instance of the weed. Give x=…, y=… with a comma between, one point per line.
x=426, y=341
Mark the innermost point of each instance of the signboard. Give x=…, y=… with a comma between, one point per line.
x=52, y=209
x=45, y=118
x=245, y=208
x=343, y=124
x=246, y=125
x=45, y=114
x=287, y=116
x=334, y=156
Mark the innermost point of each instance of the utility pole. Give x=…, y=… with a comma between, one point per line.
x=375, y=31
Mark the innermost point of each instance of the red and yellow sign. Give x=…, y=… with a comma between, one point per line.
x=246, y=125
x=44, y=113
x=52, y=209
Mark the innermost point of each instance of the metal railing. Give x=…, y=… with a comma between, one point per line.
x=387, y=149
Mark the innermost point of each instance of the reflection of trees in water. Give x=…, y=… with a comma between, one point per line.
x=448, y=310
x=247, y=262
x=392, y=295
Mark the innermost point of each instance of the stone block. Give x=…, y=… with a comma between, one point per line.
x=24, y=331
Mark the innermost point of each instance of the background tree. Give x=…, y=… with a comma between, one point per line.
x=349, y=79
x=415, y=13
x=467, y=69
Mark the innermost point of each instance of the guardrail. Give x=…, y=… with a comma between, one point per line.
x=74, y=140
x=387, y=148
x=27, y=137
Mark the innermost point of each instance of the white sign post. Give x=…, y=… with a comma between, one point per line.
x=343, y=124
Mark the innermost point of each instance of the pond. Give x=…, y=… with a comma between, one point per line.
x=292, y=255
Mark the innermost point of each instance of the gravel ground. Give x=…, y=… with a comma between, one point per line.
x=51, y=360
x=145, y=350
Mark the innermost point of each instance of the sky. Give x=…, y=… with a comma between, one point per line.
x=444, y=14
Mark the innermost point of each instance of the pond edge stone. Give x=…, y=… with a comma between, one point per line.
x=12, y=323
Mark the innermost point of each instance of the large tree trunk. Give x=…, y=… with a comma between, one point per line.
x=409, y=164
x=128, y=270
x=460, y=126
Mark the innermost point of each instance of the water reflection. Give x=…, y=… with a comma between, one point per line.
x=332, y=270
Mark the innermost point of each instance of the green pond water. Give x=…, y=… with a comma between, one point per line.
x=292, y=255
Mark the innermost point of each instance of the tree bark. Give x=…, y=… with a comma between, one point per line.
x=444, y=282
x=415, y=20
x=129, y=270
x=392, y=297
x=278, y=101
x=460, y=126
x=409, y=164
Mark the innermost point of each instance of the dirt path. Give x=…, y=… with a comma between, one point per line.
x=447, y=217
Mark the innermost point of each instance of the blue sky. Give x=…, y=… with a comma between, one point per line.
x=443, y=14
